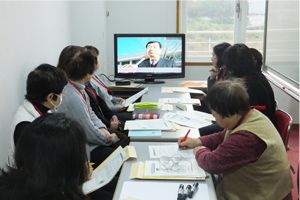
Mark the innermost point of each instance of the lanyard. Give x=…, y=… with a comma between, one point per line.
x=93, y=93
x=242, y=119
x=101, y=83
x=36, y=108
x=82, y=97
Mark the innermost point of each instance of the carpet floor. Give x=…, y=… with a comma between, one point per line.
x=293, y=156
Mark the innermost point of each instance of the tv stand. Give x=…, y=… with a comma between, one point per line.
x=149, y=81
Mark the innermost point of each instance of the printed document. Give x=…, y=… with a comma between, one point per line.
x=187, y=167
x=105, y=172
x=149, y=124
x=179, y=100
x=169, y=150
x=187, y=120
x=133, y=98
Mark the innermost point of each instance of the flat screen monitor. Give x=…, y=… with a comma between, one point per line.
x=149, y=56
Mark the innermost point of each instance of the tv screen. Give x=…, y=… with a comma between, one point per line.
x=149, y=56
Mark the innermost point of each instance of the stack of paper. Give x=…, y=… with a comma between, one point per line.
x=144, y=133
x=186, y=170
x=153, y=124
x=180, y=100
x=187, y=90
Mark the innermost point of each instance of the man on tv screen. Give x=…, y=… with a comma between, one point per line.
x=153, y=59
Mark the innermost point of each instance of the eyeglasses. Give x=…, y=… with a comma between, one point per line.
x=174, y=163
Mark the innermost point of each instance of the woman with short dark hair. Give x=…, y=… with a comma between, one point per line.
x=44, y=90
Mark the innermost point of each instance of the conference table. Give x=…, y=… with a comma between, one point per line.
x=141, y=146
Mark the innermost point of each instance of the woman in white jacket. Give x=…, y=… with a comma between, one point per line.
x=44, y=90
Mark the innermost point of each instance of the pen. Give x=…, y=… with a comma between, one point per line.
x=180, y=192
x=185, y=137
x=193, y=190
x=213, y=70
x=187, y=191
x=91, y=163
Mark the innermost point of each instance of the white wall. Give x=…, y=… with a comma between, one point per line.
x=138, y=17
x=35, y=32
x=88, y=27
x=31, y=33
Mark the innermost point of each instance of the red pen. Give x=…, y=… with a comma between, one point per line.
x=186, y=135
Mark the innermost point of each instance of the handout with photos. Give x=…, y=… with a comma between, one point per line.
x=169, y=150
x=186, y=167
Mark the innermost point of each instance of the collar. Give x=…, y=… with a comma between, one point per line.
x=41, y=107
x=156, y=60
x=80, y=86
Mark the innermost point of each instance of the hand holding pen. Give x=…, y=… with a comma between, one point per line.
x=187, y=142
x=184, y=138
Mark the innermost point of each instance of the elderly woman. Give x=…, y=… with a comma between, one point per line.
x=248, y=154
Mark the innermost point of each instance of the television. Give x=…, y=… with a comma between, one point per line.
x=149, y=56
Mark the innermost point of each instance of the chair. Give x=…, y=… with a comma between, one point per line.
x=283, y=122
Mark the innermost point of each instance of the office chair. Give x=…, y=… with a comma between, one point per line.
x=283, y=122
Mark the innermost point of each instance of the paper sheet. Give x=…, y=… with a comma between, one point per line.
x=138, y=170
x=198, y=114
x=187, y=120
x=187, y=90
x=195, y=84
x=170, y=89
x=187, y=167
x=104, y=173
x=133, y=98
x=149, y=124
x=169, y=150
x=158, y=190
x=179, y=100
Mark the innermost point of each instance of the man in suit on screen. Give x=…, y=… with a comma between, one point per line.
x=153, y=58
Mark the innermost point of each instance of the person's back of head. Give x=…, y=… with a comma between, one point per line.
x=218, y=50
x=44, y=80
x=67, y=54
x=93, y=49
x=238, y=60
x=82, y=64
x=228, y=98
x=257, y=59
x=52, y=154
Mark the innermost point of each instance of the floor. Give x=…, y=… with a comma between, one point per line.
x=293, y=156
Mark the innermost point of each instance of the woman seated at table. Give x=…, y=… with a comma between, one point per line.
x=248, y=154
x=51, y=163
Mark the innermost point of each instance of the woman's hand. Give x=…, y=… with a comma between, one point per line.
x=214, y=72
x=189, y=143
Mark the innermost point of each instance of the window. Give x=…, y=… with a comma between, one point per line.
x=207, y=23
x=282, y=46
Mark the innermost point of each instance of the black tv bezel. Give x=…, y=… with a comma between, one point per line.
x=149, y=76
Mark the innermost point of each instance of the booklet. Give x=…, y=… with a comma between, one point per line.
x=105, y=172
